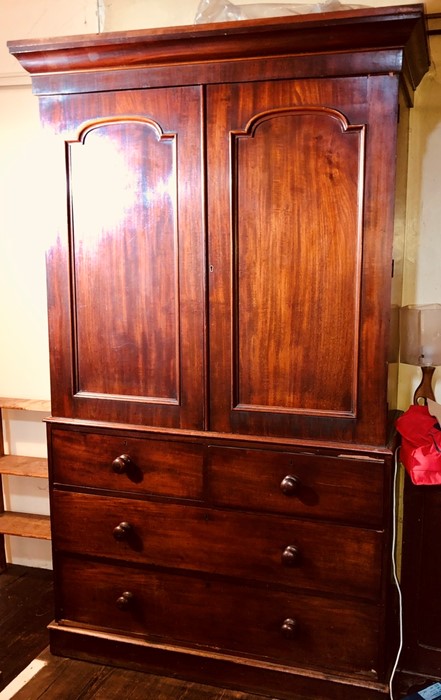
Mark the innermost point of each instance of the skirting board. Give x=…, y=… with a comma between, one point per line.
x=236, y=673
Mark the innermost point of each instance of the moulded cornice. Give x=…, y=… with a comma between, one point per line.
x=364, y=30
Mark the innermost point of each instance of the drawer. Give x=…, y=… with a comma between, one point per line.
x=308, y=555
x=124, y=463
x=300, y=485
x=186, y=610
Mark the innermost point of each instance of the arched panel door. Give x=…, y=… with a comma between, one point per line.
x=131, y=319
x=286, y=263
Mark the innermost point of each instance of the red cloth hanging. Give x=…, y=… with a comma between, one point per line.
x=420, y=451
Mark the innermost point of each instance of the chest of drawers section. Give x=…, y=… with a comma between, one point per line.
x=252, y=553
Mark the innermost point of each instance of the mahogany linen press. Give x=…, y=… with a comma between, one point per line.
x=221, y=294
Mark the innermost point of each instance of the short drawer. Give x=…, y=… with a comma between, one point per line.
x=187, y=610
x=123, y=463
x=294, y=484
x=308, y=555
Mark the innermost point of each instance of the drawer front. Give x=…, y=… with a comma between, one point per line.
x=123, y=463
x=301, y=485
x=311, y=555
x=239, y=619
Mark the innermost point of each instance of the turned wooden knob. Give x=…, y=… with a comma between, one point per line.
x=121, y=464
x=288, y=628
x=122, y=531
x=125, y=600
x=290, y=555
x=290, y=485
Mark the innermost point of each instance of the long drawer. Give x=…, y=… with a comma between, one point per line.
x=241, y=619
x=344, y=489
x=123, y=463
x=312, y=486
x=310, y=555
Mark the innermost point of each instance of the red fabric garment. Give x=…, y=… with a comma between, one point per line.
x=420, y=451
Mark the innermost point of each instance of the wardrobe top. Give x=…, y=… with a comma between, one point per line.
x=398, y=28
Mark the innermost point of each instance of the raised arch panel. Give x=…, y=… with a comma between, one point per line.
x=124, y=260
x=297, y=256
x=126, y=269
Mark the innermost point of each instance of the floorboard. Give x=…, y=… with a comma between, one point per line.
x=79, y=680
x=26, y=608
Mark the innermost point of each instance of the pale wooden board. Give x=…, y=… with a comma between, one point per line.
x=25, y=525
x=25, y=404
x=16, y=465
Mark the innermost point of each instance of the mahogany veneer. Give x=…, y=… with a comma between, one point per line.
x=221, y=451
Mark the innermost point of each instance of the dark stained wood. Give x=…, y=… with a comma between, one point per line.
x=213, y=614
x=137, y=293
x=160, y=467
x=327, y=187
x=290, y=67
x=137, y=263
x=258, y=476
x=363, y=30
x=26, y=608
x=267, y=367
x=214, y=668
x=24, y=587
x=221, y=453
x=421, y=572
x=354, y=398
x=328, y=558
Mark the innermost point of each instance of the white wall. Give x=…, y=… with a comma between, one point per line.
x=422, y=279
x=26, y=204
x=24, y=201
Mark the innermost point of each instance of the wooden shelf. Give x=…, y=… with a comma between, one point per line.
x=25, y=404
x=22, y=524
x=25, y=525
x=15, y=465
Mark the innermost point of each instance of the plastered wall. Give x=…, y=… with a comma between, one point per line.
x=26, y=200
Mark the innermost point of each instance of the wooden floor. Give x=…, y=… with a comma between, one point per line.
x=74, y=680
x=26, y=606
x=26, y=609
